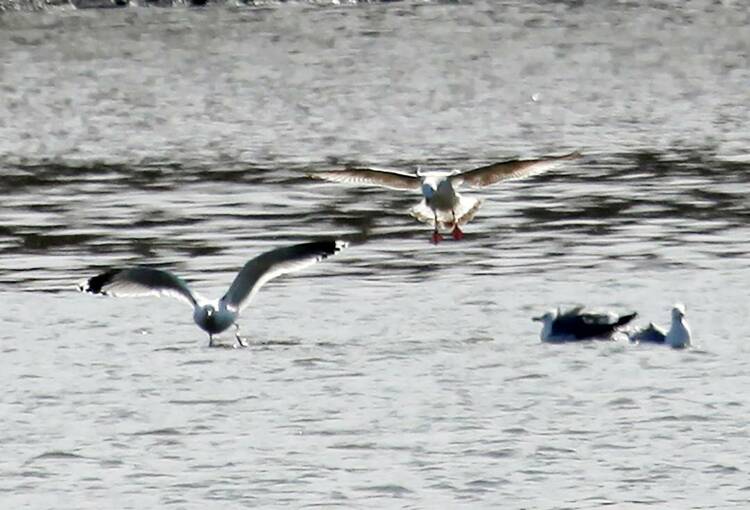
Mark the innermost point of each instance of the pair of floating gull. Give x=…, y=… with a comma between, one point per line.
x=578, y=324
x=442, y=205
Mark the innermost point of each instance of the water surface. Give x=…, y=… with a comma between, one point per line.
x=397, y=374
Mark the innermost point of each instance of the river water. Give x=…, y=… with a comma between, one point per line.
x=397, y=374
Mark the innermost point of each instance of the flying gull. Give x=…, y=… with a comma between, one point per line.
x=442, y=206
x=678, y=335
x=214, y=317
x=577, y=324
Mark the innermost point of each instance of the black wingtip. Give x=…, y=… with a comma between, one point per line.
x=95, y=284
x=340, y=244
x=626, y=318
x=330, y=247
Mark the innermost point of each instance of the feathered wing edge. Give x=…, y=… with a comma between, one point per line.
x=508, y=170
x=139, y=281
x=267, y=266
x=372, y=176
x=602, y=318
x=649, y=334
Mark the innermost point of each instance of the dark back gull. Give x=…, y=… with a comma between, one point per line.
x=218, y=316
x=442, y=206
x=578, y=324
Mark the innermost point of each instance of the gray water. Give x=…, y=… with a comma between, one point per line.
x=398, y=374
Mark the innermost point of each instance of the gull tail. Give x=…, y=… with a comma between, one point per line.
x=465, y=211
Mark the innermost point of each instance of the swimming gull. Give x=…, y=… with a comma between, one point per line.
x=678, y=335
x=577, y=324
x=214, y=317
x=442, y=206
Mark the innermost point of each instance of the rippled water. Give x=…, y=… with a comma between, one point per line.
x=397, y=374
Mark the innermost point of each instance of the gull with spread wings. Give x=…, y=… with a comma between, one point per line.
x=442, y=206
x=213, y=317
x=580, y=324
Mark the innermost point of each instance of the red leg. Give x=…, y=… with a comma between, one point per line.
x=436, y=237
x=457, y=232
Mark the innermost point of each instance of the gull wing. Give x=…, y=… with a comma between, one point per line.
x=599, y=318
x=650, y=334
x=371, y=176
x=271, y=264
x=576, y=310
x=139, y=281
x=508, y=170
x=583, y=324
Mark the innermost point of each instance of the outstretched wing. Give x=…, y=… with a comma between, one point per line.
x=271, y=264
x=384, y=178
x=507, y=170
x=138, y=281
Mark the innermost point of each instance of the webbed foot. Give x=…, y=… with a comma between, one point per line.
x=457, y=233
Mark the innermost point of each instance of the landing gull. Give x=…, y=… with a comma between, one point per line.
x=577, y=324
x=678, y=335
x=442, y=205
x=213, y=317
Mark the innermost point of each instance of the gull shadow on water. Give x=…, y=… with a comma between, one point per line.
x=57, y=455
x=227, y=346
x=212, y=402
x=166, y=431
x=173, y=348
x=274, y=342
x=250, y=344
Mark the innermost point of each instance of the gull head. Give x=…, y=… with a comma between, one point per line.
x=205, y=317
x=210, y=318
x=546, y=317
x=428, y=191
x=678, y=311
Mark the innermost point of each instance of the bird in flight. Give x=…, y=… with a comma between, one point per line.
x=217, y=316
x=442, y=205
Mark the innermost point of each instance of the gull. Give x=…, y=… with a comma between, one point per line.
x=678, y=335
x=213, y=317
x=576, y=324
x=442, y=206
